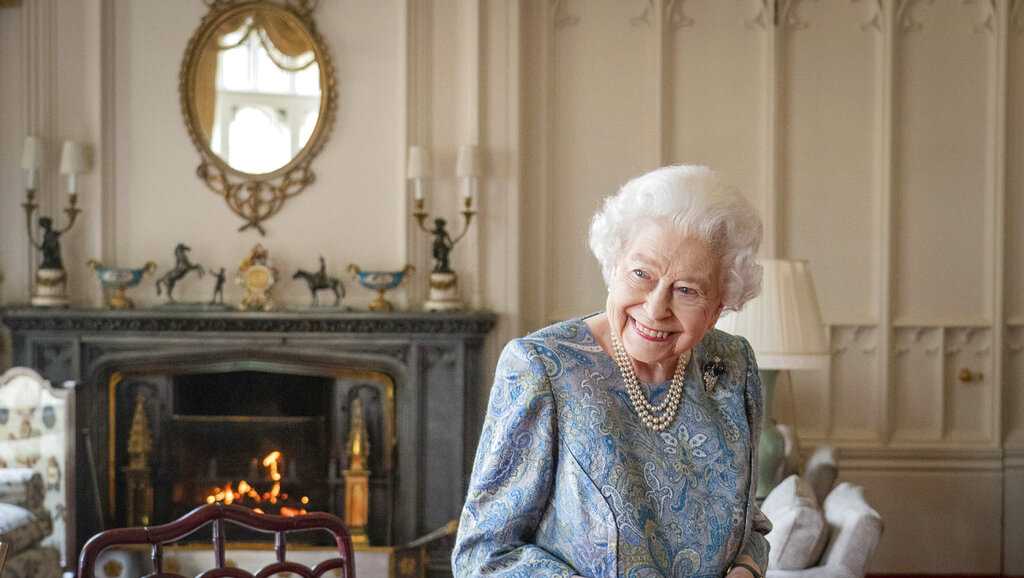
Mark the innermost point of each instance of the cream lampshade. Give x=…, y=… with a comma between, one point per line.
x=468, y=161
x=32, y=160
x=467, y=167
x=784, y=328
x=417, y=169
x=73, y=163
x=783, y=324
x=418, y=166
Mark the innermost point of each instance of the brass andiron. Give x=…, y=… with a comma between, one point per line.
x=137, y=473
x=357, y=476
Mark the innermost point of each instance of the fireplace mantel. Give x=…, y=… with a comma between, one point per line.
x=306, y=321
x=435, y=361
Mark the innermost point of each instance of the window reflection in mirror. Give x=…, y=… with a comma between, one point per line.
x=267, y=96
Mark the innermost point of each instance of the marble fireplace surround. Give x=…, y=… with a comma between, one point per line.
x=434, y=361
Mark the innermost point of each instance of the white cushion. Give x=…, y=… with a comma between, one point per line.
x=799, y=532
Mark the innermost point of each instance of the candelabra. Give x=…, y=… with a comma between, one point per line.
x=444, y=291
x=50, y=287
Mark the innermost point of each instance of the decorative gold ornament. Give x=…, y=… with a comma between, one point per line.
x=257, y=277
x=357, y=476
x=137, y=472
x=118, y=280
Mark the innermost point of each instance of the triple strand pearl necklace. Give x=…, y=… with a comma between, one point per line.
x=657, y=417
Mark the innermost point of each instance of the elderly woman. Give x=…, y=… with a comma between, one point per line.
x=624, y=443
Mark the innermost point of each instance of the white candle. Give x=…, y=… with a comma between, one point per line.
x=72, y=184
x=468, y=186
x=31, y=179
x=418, y=188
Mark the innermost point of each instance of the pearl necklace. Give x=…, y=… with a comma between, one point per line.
x=657, y=417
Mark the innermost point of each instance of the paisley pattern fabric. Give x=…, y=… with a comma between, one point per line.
x=567, y=479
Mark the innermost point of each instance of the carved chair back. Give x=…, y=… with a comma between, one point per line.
x=217, y=514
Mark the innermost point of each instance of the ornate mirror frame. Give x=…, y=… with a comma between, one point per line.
x=256, y=198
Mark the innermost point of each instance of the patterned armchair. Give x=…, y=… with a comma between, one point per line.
x=33, y=483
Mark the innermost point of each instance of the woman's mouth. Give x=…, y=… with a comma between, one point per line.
x=648, y=333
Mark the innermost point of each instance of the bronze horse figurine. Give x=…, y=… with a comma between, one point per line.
x=319, y=281
x=182, y=266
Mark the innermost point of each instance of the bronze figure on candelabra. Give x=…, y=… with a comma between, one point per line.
x=444, y=291
x=50, y=287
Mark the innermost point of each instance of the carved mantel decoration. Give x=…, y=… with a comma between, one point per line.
x=218, y=99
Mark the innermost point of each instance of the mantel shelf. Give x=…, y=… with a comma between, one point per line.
x=184, y=320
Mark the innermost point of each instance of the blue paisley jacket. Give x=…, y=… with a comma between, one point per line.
x=567, y=480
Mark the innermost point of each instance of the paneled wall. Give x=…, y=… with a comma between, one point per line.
x=882, y=140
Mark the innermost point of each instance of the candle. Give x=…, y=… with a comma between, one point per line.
x=418, y=188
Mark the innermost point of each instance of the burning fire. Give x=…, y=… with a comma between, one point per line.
x=244, y=493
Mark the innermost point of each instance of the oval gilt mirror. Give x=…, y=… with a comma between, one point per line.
x=258, y=95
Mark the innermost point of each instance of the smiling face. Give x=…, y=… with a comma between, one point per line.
x=664, y=296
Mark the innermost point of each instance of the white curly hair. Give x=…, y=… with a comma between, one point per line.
x=698, y=204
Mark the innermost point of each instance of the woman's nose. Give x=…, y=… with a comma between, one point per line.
x=657, y=302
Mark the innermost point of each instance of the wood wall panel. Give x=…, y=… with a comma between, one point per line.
x=857, y=391
x=1014, y=209
x=918, y=388
x=943, y=185
x=714, y=82
x=14, y=266
x=968, y=403
x=599, y=137
x=933, y=525
x=830, y=114
x=1013, y=517
x=1013, y=398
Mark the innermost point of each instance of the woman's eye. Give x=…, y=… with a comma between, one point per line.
x=687, y=291
x=640, y=274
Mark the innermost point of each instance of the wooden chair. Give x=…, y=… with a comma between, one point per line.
x=158, y=536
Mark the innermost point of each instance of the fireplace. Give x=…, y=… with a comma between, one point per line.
x=283, y=439
x=171, y=407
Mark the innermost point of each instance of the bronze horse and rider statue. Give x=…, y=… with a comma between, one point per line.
x=321, y=281
x=182, y=266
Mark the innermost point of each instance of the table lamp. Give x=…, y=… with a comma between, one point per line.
x=783, y=325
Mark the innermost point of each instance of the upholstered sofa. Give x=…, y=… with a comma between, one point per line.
x=24, y=524
x=33, y=480
x=821, y=530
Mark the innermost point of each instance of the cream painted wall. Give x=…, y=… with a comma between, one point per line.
x=351, y=214
x=880, y=138
x=13, y=253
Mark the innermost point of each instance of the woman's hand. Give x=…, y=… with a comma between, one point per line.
x=745, y=567
x=740, y=572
